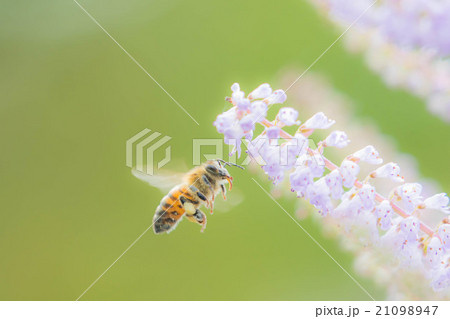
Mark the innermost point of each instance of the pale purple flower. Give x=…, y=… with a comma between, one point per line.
x=318, y=121
x=274, y=171
x=435, y=252
x=410, y=229
x=314, y=163
x=411, y=24
x=300, y=180
x=225, y=121
x=444, y=234
x=270, y=152
x=404, y=251
x=258, y=110
x=334, y=182
x=237, y=94
x=235, y=87
x=256, y=147
x=319, y=196
x=261, y=92
x=410, y=255
x=337, y=139
x=288, y=116
x=367, y=195
x=273, y=132
x=273, y=163
x=289, y=153
x=438, y=201
x=233, y=136
x=405, y=41
x=298, y=145
x=384, y=215
x=277, y=97
x=369, y=155
x=350, y=10
x=389, y=170
x=356, y=210
x=247, y=123
x=350, y=205
x=409, y=193
x=349, y=170
x=441, y=280
x=243, y=104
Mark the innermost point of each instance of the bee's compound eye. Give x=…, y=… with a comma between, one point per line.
x=212, y=169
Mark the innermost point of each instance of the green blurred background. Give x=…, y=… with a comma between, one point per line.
x=71, y=98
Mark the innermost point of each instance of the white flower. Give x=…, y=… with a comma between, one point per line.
x=389, y=170
x=277, y=97
x=384, y=215
x=318, y=121
x=261, y=92
x=349, y=170
x=409, y=193
x=337, y=139
x=368, y=154
x=288, y=116
x=438, y=201
x=367, y=195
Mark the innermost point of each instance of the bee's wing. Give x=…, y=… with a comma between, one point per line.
x=234, y=198
x=164, y=180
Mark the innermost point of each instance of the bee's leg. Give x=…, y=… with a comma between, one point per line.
x=199, y=194
x=224, y=191
x=208, y=183
x=183, y=200
x=199, y=218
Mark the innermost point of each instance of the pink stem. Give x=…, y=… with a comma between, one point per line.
x=379, y=198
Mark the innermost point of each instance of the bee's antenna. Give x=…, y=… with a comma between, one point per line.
x=228, y=163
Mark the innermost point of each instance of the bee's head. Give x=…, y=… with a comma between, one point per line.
x=217, y=170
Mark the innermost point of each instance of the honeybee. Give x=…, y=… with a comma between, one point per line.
x=199, y=186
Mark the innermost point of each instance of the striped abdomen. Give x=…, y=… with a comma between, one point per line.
x=171, y=209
